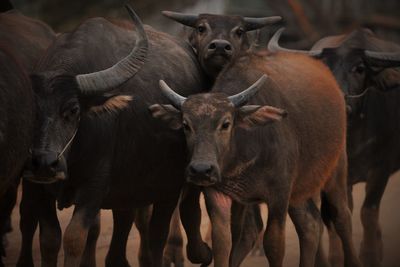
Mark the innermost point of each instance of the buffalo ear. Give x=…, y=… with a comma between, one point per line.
x=251, y=116
x=168, y=114
x=106, y=104
x=388, y=79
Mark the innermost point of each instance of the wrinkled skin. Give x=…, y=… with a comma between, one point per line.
x=249, y=153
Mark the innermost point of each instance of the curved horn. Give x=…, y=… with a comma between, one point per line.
x=383, y=59
x=175, y=98
x=257, y=23
x=241, y=98
x=185, y=19
x=273, y=46
x=123, y=70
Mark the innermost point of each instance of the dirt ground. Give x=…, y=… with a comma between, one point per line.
x=389, y=217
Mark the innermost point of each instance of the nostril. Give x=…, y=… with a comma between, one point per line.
x=35, y=162
x=228, y=48
x=212, y=46
x=192, y=169
x=54, y=164
x=208, y=170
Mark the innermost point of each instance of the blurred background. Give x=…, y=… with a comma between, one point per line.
x=306, y=20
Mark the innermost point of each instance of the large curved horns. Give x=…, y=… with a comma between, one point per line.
x=274, y=46
x=175, y=98
x=241, y=98
x=383, y=59
x=185, y=19
x=108, y=79
x=257, y=23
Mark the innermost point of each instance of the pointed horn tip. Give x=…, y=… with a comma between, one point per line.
x=167, y=13
x=263, y=79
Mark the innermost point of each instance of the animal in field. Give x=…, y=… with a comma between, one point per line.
x=22, y=41
x=281, y=141
x=104, y=145
x=216, y=40
x=367, y=70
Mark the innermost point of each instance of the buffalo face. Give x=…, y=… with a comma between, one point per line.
x=355, y=67
x=62, y=100
x=218, y=39
x=58, y=113
x=209, y=122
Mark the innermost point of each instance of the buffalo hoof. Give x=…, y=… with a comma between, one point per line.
x=117, y=263
x=370, y=256
x=199, y=255
x=173, y=256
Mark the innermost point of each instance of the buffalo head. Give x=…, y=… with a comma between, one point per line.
x=359, y=61
x=209, y=122
x=63, y=99
x=219, y=38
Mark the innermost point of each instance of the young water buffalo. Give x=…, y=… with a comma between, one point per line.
x=218, y=39
x=246, y=149
x=365, y=68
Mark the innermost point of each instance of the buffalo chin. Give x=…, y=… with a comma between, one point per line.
x=38, y=179
x=201, y=182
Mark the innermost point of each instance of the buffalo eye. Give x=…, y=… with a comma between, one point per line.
x=360, y=68
x=201, y=29
x=225, y=125
x=239, y=32
x=71, y=112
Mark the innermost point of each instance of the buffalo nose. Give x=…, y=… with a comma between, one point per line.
x=44, y=159
x=220, y=45
x=201, y=169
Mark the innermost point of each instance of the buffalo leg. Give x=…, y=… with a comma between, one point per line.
x=335, y=195
x=219, y=210
x=307, y=221
x=123, y=220
x=274, y=236
x=371, y=252
x=50, y=231
x=159, y=228
x=246, y=226
x=197, y=250
x=29, y=212
x=7, y=203
x=76, y=234
x=173, y=251
x=89, y=254
x=142, y=222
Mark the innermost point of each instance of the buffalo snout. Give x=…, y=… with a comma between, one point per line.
x=220, y=46
x=203, y=173
x=46, y=167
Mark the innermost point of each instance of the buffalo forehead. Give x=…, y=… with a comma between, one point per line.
x=210, y=105
x=220, y=21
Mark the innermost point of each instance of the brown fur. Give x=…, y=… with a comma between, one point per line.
x=113, y=104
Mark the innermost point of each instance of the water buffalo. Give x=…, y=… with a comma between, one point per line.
x=365, y=68
x=23, y=40
x=217, y=40
x=107, y=160
x=243, y=148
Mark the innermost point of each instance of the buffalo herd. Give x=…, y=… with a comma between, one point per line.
x=124, y=117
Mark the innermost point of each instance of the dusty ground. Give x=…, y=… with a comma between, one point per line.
x=390, y=218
